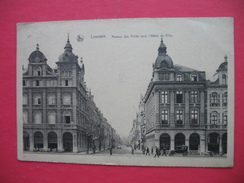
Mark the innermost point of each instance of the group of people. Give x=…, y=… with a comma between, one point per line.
x=157, y=152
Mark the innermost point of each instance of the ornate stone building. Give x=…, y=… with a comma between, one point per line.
x=217, y=110
x=58, y=112
x=182, y=108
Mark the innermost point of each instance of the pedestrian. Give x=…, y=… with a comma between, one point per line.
x=147, y=152
x=157, y=152
x=164, y=151
x=132, y=150
x=111, y=150
x=94, y=149
x=152, y=150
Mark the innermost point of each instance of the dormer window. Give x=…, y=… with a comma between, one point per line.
x=224, y=80
x=194, y=77
x=164, y=76
x=179, y=77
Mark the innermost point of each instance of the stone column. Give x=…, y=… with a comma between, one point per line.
x=75, y=148
x=44, y=99
x=45, y=139
x=30, y=104
x=74, y=104
x=172, y=108
x=202, y=104
x=172, y=144
x=203, y=145
x=220, y=144
x=60, y=141
x=59, y=119
x=157, y=120
x=31, y=140
x=187, y=110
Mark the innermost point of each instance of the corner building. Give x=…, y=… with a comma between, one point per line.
x=175, y=102
x=57, y=106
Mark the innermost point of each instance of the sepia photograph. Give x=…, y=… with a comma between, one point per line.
x=130, y=92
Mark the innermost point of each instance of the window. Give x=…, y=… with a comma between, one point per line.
x=179, y=97
x=179, y=117
x=67, y=117
x=24, y=83
x=37, y=71
x=38, y=118
x=164, y=77
x=193, y=77
x=214, y=118
x=214, y=99
x=37, y=83
x=52, y=118
x=25, y=100
x=194, y=117
x=194, y=97
x=225, y=118
x=164, y=95
x=37, y=100
x=66, y=83
x=179, y=77
x=225, y=99
x=224, y=80
x=164, y=117
x=51, y=99
x=66, y=99
x=25, y=117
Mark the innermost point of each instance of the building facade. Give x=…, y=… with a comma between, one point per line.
x=59, y=113
x=175, y=107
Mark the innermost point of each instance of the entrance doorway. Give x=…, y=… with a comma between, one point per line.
x=38, y=140
x=165, y=141
x=179, y=139
x=213, y=143
x=68, y=142
x=26, y=140
x=224, y=143
x=52, y=141
x=194, y=141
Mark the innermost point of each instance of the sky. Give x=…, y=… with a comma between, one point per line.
x=118, y=54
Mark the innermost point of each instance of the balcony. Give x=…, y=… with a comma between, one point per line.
x=216, y=126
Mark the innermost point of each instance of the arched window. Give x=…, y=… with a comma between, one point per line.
x=224, y=79
x=179, y=77
x=51, y=117
x=38, y=117
x=51, y=99
x=25, y=99
x=25, y=117
x=66, y=99
x=37, y=99
x=37, y=71
x=214, y=99
x=194, y=77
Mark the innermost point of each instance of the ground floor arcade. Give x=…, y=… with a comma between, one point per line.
x=58, y=140
x=197, y=141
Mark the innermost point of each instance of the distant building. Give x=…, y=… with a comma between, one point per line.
x=59, y=114
x=182, y=108
x=217, y=110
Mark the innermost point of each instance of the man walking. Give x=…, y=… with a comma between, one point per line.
x=147, y=152
x=157, y=152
